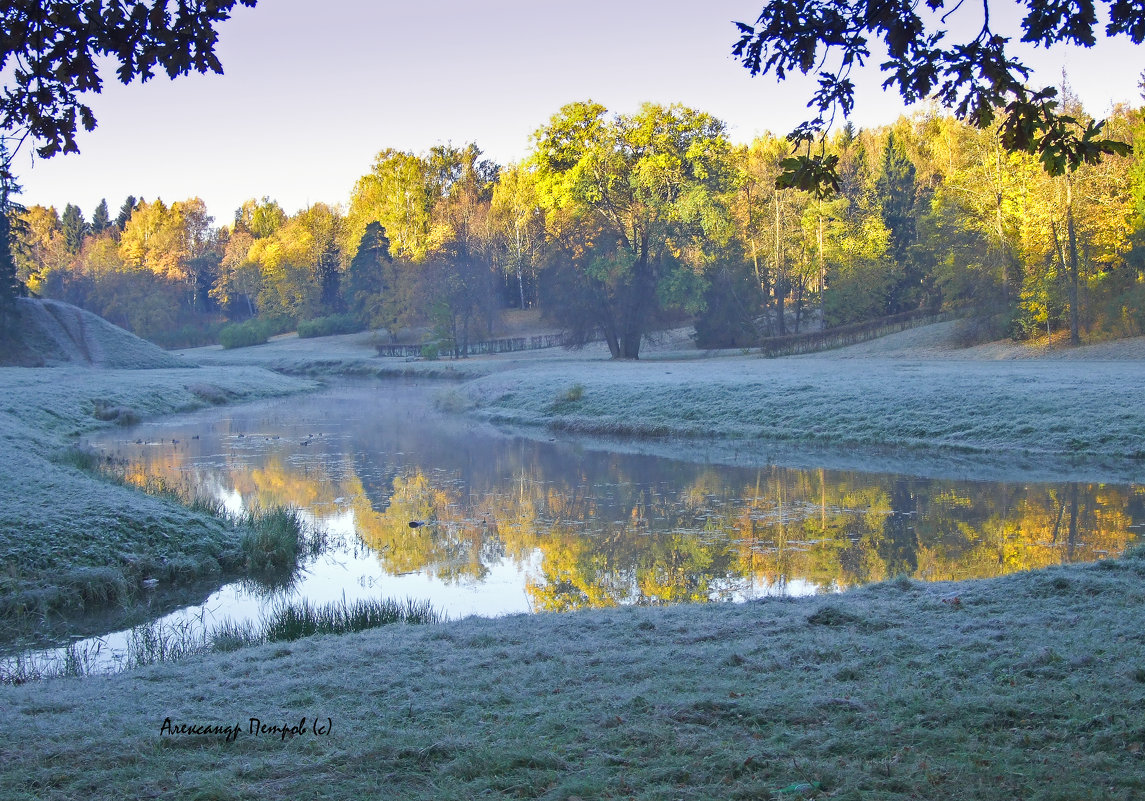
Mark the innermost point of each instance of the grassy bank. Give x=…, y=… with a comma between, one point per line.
x=1030, y=686
x=1069, y=412
x=70, y=539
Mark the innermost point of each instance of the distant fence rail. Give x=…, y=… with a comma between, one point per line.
x=506, y=345
x=845, y=335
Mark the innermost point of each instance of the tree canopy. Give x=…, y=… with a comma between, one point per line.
x=51, y=53
x=981, y=79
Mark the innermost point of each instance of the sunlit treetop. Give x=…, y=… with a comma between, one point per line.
x=978, y=78
x=51, y=53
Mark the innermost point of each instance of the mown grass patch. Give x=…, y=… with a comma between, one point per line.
x=1012, y=693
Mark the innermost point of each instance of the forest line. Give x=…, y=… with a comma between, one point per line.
x=616, y=224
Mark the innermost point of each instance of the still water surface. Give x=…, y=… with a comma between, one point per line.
x=514, y=524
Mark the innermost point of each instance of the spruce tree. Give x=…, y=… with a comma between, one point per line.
x=366, y=279
x=75, y=228
x=895, y=190
x=100, y=220
x=125, y=212
x=10, y=285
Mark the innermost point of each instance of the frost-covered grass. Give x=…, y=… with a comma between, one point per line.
x=71, y=540
x=1070, y=410
x=1030, y=686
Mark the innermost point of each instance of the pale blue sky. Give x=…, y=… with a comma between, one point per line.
x=313, y=91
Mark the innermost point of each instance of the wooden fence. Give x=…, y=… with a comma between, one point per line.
x=791, y=345
x=845, y=335
x=506, y=345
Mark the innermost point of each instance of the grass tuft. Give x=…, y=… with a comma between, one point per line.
x=273, y=540
x=294, y=621
x=156, y=642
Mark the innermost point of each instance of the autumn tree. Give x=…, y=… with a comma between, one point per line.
x=979, y=79
x=459, y=283
x=239, y=280
x=399, y=192
x=519, y=229
x=624, y=195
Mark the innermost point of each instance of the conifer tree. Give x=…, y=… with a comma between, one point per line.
x=125, y=212
x=75, y=228
x=100, y=220
x=10, y=284
x=895, y=188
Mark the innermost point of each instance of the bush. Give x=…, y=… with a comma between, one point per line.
x=430, y=351
x=242, y=335
x=329, y=326
x=190, y=335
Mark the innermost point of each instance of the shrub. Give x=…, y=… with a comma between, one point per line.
x=191, y=335
x=329, y=326
x=245, y=334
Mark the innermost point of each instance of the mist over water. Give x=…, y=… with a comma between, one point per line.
x=504, y=523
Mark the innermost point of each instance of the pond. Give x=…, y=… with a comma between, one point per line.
x=505, y=523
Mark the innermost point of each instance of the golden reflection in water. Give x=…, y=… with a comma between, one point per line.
x=604, y=540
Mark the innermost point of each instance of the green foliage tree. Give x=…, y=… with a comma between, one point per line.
x=625, y=195
x=979, y=79
x=260, y=218
x=519, y=229
x=400, y=193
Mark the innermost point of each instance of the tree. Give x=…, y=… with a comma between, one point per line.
x=400, y=193
x=100, y=221
x=368, y=282
x=979, y=79
x=259, y=218
x=519, y=229
x=51, y=52
x=239, y=275
x=75, y=228
x=896, y=190
x=10, y=285
x=125, y=212
x=625, y=196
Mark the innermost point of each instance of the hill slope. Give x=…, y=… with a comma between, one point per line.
x=49, y=333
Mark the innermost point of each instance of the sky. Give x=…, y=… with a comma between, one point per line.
x=313, y=91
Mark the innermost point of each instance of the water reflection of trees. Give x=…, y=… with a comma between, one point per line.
x=601, y=530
